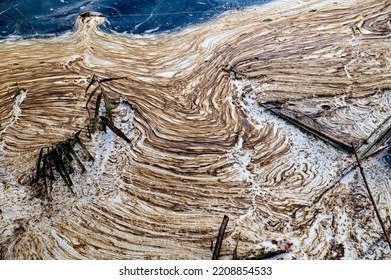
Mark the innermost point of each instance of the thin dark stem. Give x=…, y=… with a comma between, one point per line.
x=235, y=253
x=219, y=241
x=370, y=195
x=380, y=149
x=29, y=26
x=268, y=255
x=18, y=22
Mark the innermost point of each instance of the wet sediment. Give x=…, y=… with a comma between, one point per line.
x=201, y=145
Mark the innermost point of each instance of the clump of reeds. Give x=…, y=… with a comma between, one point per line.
x=106, y=121
x=59, y=158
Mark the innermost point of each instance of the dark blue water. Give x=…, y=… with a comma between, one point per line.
x=30, y=18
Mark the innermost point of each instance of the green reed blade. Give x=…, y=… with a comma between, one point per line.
x=44, y=175
x=64, y=149
x=90, y=97
x=114, y=129
x=83, y=147
x=51, y=172
x=107, y=106
x=60, y=167
x=93, y=80
x=96, y=117
x=39, y=166
x=75, y=156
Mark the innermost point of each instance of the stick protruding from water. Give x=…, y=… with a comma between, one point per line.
x=220, y=236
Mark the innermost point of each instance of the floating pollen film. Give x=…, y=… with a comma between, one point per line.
x=341, y=121
x=137, y=146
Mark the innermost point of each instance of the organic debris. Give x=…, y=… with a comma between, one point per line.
x=102, y=94
x=59, y=158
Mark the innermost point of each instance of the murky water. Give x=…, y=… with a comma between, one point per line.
x=49, y=17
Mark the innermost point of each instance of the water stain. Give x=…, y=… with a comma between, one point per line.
x=201, y=146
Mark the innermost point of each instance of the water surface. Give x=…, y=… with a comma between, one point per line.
x=31, y=18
